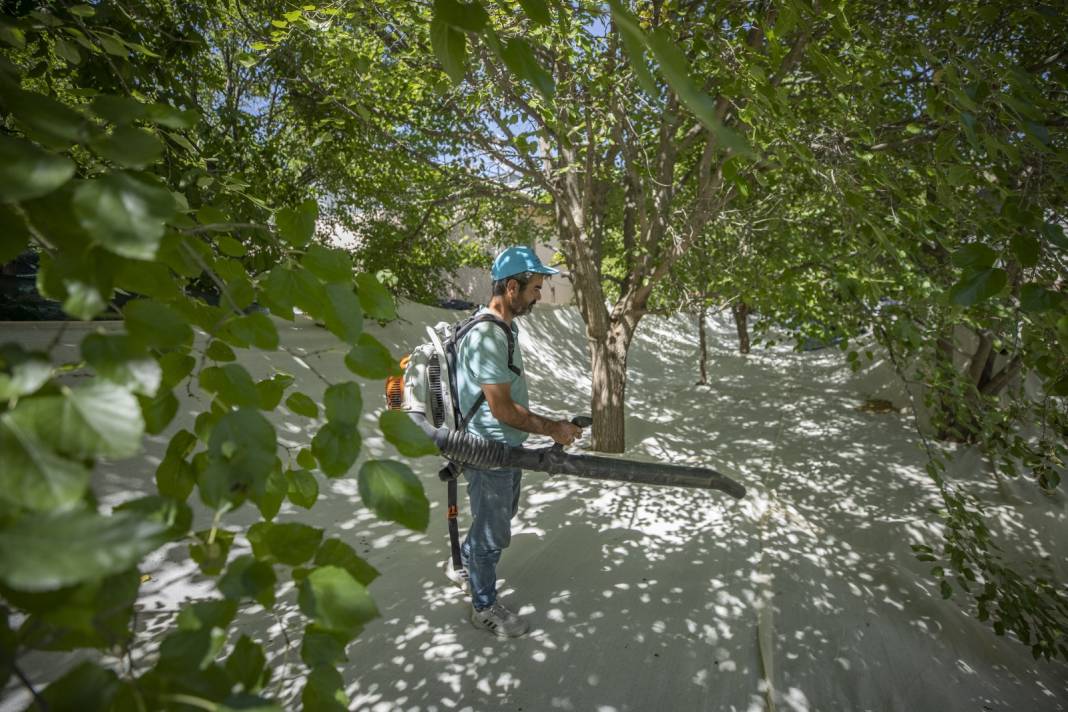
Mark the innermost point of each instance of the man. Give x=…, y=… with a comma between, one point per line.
x=503, y=415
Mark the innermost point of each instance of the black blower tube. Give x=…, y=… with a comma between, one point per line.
x=467, y=449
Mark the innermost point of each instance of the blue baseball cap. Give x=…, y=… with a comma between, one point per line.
x=516, y=260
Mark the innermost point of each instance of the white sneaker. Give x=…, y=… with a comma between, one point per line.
x=460, y=577
x=500, y=621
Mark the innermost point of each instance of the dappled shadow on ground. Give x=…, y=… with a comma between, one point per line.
x=804, y=595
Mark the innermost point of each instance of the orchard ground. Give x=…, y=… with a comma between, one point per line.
x=803, y=596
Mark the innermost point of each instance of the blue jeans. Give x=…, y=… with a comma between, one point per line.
x=494, y=497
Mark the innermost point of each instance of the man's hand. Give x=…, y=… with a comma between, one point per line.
x=565, y=433
x=504, y=409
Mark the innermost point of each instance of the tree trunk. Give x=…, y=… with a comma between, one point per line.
x=703, y=381
x=741, y=321
x=609, y=363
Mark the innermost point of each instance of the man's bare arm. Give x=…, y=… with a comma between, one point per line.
x=506, y=410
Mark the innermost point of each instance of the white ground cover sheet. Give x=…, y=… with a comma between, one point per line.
x=802, y=596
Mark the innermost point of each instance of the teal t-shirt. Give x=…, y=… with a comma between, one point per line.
x=482, y=359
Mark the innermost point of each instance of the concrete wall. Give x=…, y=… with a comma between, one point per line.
x=473, y=285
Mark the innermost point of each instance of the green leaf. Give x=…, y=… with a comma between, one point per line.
x=207, y=614
x=634, y=46
x=297, y=225
x=450, y=47
x=255, y=328
x=270, y=392
x=175, y=477
x=124, y=213
x=393, y=492
x=303, y=488
x=176, y=366
x=68, y=50
x=14, y=234
x=342, y=313
x=343, y=403
x=44, y=119
x=85, y=687
x=1038, y=131
x=375, y=300
x=12, y=35
x=975, y=257
x=44, y=552
x=28, y=172
x=247, y=665
x=322, y=647
x=336, y=601
x=676, y=70
x=336, y=447
x=335, y=552
x=113, y=45
x=129, y=146
x=9, y=644
x=243, y=702
x=232, y=384
x=291, y=543
x=248, y=577
x=978, y=287
x=467, y=16
x=241, y=455
x=118, y=359
x=158, y=411
x=370, y=359
x=117, y=109
x=325, y=690
x=406, y=436
x=171, y=117
x=247, y=59
x=94, y=614
x=175, y=516
x=84, y=301
x=187, y=651
x=33, y=476
x=520, y=59
x=219, y=351
x=946, y=589
x=269, y=494
x=99, y=419
x=26, y=371
x=537, y=11
x=229, y=246
x=306, y=459
x=1027, y=249
x=1036, y=298
x=310, y=294
x=1055, y=234
x=152, y=279
x=210, y=553
x=279, y=292
x=328, y=264
x=302, y=405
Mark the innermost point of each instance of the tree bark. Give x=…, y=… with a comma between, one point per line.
x=609, y=362
x=703, y=381
x=741, y=322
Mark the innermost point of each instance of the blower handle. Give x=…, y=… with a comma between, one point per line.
x=582, y=421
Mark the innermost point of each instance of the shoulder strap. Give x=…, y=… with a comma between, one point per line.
x=466, y=326
x=462, y=331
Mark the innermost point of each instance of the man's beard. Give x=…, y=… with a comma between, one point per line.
x=525, y=309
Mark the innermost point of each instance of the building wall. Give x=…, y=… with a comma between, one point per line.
x=473, y=285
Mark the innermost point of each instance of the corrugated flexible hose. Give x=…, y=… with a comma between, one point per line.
x=465, y=448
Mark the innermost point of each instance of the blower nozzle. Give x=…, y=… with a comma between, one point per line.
x=464, y=448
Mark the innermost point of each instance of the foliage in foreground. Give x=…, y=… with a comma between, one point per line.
x=107, y=176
